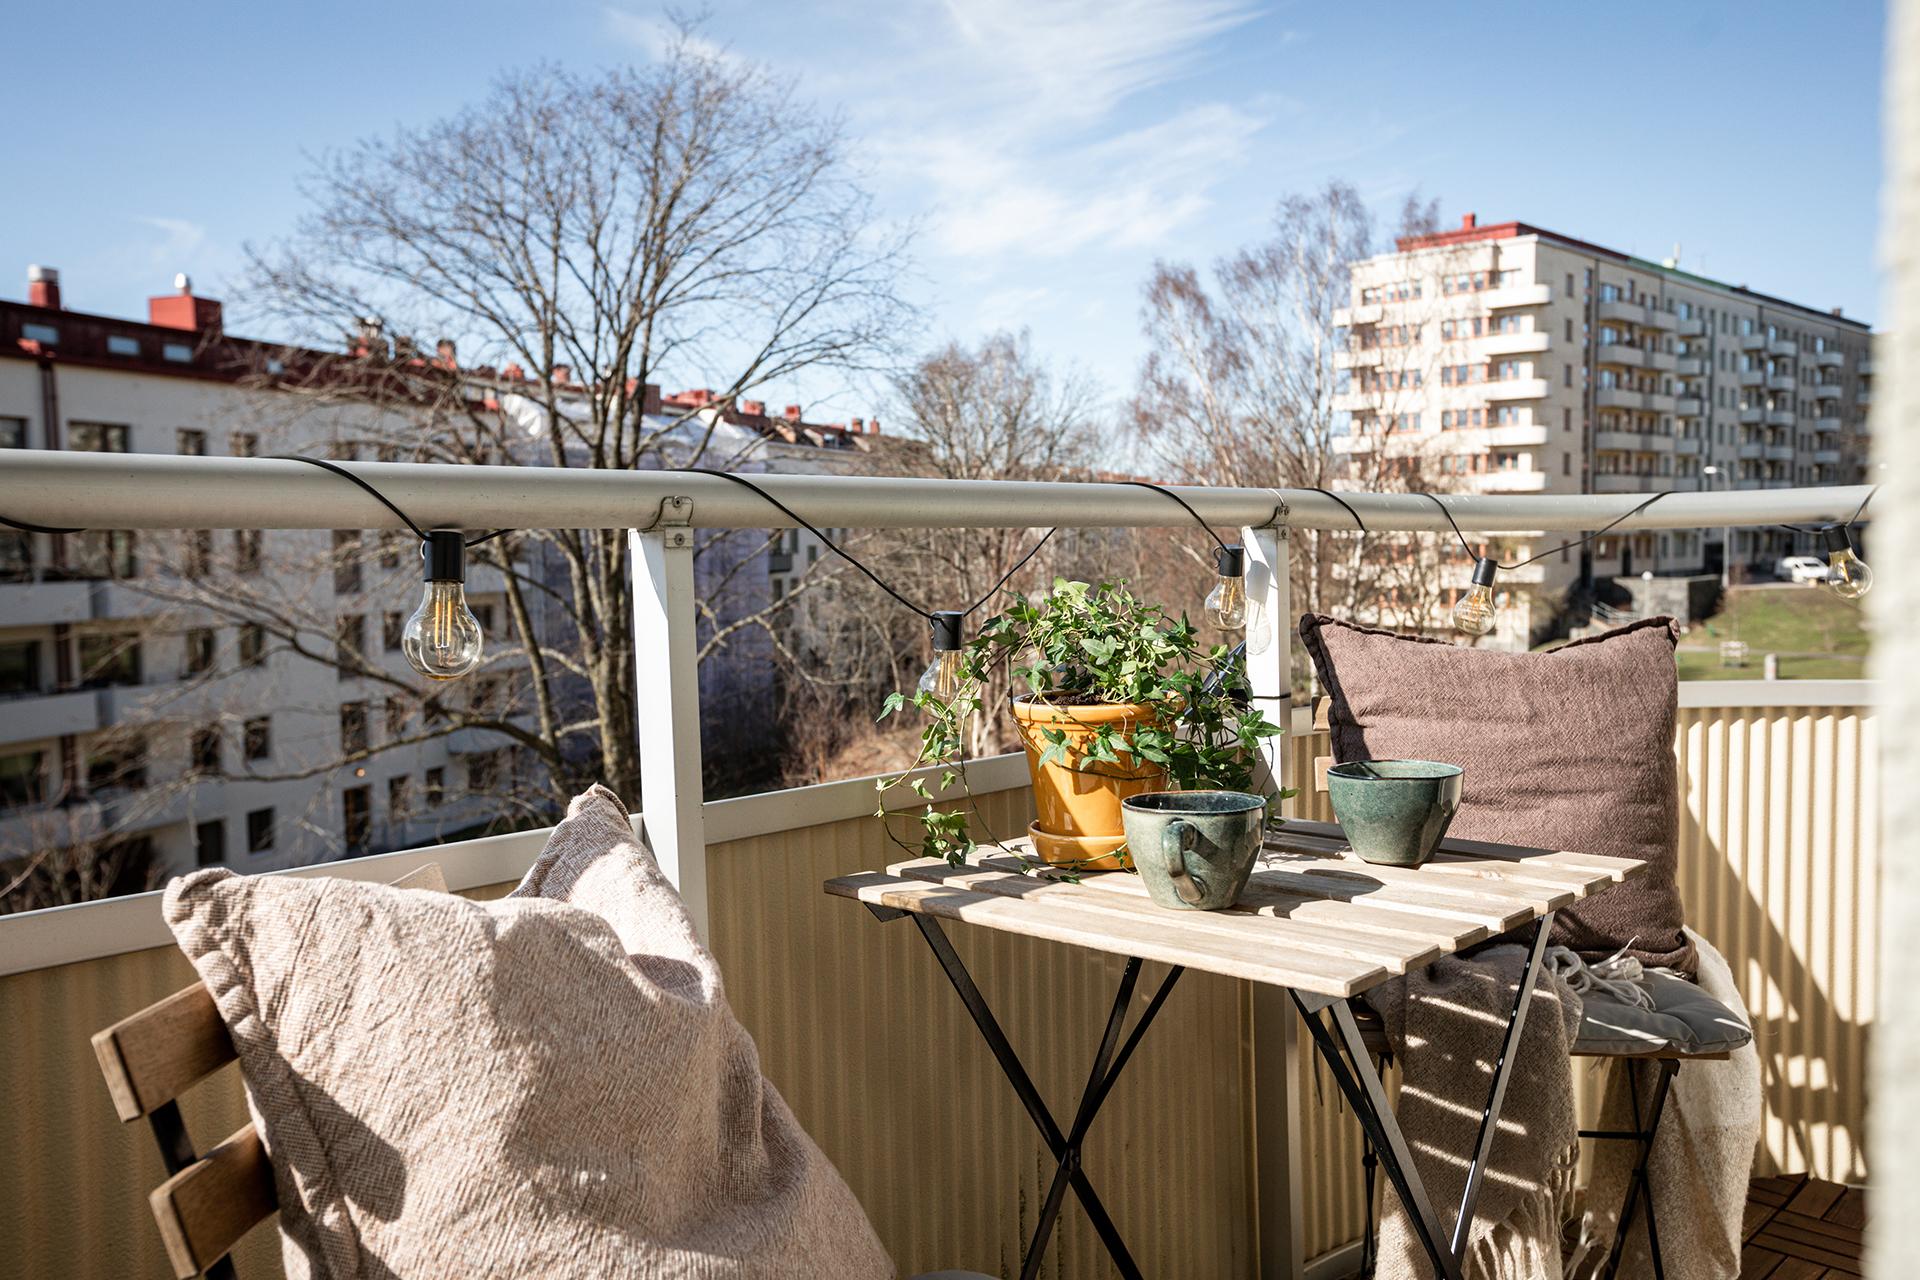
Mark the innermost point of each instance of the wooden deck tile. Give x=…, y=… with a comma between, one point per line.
x=1801, y=1228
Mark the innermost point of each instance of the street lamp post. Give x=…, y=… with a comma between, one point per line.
x=1726, y=548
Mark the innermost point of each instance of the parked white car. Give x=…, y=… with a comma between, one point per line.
x=1801, y=569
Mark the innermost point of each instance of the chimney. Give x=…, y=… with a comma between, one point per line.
x=1839, y=311
x=754, y=408
x=873, y=427
x=650, y=399
x=1469, y=222
x=562, y=374
x=445, y=350
x=181, y=310
x=859, y=426
x=43, y=287
x=699, y=396
x=793, y=413
x=370, y=341
x=513, y=373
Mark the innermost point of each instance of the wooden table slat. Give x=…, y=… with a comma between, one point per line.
x=1102, y=931
x=1313, y=917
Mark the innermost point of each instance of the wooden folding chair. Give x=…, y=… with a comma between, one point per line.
x=212, y=1199
x=1646, y=1121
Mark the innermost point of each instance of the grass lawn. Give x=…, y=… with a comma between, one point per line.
x=1817, y=635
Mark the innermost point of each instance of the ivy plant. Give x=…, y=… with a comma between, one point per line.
x=1082, y=645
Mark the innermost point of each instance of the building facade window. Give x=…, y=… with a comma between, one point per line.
x=353, y=728
x=22, y=779
x=97, y=437
x=109, y=659
x=260, y=825
x=257, y=738
x=19, y=667
x=191, y=443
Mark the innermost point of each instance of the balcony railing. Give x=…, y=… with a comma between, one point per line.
x=1774, y=781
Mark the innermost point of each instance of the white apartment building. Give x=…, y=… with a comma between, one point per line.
x=117, y=686
x=134, y=713
x=1510, y=359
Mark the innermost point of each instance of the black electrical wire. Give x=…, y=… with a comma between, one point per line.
x=1847, y=523
x=1162, y=489
x=1358, y=523
x=378, y=496
x=1565, y=546
x=24, y=527
x=844, y=554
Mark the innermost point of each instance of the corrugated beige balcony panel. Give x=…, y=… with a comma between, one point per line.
x=864, y=1037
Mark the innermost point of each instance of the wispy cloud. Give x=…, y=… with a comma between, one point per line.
x=180, y=241
x=656, y=36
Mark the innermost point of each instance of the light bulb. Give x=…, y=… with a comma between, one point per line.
x=1226, y=606
x=442, y=639
x=1847, y=574
x=1474, y=613
x=945, y=674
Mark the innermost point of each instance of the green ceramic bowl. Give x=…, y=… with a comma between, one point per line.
x=1394, y=812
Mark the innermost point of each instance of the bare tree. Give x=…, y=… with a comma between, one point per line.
x=573, y=237
x=992, y=411
x=1242, y=384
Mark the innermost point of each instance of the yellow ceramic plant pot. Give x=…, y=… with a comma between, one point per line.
x=1078, y=801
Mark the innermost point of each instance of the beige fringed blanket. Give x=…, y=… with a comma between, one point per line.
x=1446, y=1023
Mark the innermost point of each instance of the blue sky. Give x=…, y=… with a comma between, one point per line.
x=1049, y=152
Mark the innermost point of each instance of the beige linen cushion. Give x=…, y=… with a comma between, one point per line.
x=1569, y=749
x=457, y=1088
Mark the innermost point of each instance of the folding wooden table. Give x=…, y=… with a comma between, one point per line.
x=1314, y=919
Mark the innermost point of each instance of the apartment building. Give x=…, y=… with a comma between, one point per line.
x=1506, y=358
x=139, y=716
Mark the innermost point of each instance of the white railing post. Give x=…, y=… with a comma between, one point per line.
x=666, y=692
x=1276, y=1028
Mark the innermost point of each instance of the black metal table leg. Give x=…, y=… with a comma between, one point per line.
x=1359, y=1079
x=1638, y=1187
x=1106, y=1070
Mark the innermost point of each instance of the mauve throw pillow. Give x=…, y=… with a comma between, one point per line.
x=511, y=1088
x=1570, y=749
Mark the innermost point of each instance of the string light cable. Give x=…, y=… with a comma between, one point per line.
x=1474, y=612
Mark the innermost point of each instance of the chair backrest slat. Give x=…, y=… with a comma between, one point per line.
x=157, y=1054
x=153, y=1057
x=204, y=1209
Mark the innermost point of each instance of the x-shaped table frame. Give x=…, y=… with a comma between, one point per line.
x=1356, y=1074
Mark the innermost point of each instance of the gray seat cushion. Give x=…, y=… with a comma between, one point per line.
x=1684, y=1020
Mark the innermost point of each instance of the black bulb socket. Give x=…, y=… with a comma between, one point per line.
x=445, y=552
x=1231, y=560
x=1837, y=537
x=1484, y=571
x=946, y=629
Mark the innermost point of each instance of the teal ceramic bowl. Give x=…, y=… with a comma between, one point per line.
x=1394, y=812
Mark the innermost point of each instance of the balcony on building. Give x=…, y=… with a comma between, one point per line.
x=1865, y=367
x=1514, y=481
x=1826, y=424
x=1625, y=354
x=1626, y=483
x=1752, y=450
x=1691, y=367
x=1622, y=310
x=1691, y=326
x=1516, y=389
x=1826, y=457
x=1618, y=398
x=1829, y=359
x=1690, y=446
x=1827, y=391
x=1517, y=295
x=1752, y=378
x=1661, y=402
x=1513, y=344
x=1784, y=383
x=1689, y=406
x=1753, y=342
x=1661, y=321
x=1664, y=361
x=1632, y=441
x=34, y=717
x=1783, y=348
x=1781, y=417
x=1353, y=317
x=1517, y=437
x=1780, y=453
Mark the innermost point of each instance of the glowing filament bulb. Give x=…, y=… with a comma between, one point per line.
x=1229, y=607
x=946, y=673
x=1847, y=574
x=1474, y=614
x=442, y=639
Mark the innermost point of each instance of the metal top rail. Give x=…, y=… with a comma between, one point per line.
x=150, y=491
